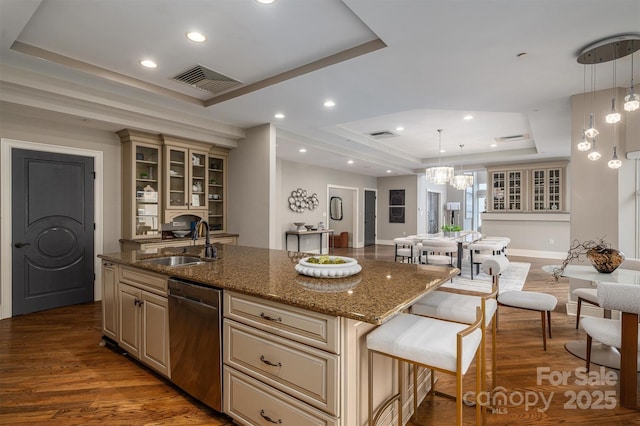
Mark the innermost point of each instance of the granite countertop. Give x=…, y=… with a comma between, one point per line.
x=377, y=293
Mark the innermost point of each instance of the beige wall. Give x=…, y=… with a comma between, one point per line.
x=291, y=176
x=252, y=188
x=388, y=231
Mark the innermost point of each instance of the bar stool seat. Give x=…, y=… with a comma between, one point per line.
x=430, y=343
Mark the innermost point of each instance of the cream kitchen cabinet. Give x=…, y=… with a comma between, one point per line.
x=186, y=175
x=143, y=317
x=110, y=300
x=141, y=185
x=290, y=365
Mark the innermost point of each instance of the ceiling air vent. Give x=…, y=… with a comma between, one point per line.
x=513, y=138
x=382, y=134
x=206, y=79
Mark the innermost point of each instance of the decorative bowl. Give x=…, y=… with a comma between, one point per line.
x=300, y=225
x=605, y=261
x=180, y=233
x=309, y=227
x=328, y=270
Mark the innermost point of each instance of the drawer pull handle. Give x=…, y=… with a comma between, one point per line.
x=269, y=419
x=266, y=361
x=268, y=318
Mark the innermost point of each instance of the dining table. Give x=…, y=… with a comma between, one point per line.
x=625, y=359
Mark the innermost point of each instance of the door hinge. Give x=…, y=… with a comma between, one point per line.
x=93, y=174
x=94, y=226
x=94, y=277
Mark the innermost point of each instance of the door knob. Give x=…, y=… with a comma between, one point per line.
x=20, y=245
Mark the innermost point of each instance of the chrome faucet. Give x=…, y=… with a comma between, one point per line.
x=210, y=251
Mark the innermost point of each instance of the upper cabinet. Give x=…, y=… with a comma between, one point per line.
x=141, y=185
x=165, y=177
x=186, y=174
x=527, y=188
x=217, y=184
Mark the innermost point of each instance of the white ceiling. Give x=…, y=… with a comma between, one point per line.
x=441, y=60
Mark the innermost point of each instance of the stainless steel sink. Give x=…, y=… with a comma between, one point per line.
x=175, y=261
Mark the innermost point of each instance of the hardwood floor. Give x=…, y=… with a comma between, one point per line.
x=53, y=371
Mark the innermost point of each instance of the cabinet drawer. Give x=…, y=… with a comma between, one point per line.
x=251, y=402
x=155, y=283
x=311, y=328
x=308, y=374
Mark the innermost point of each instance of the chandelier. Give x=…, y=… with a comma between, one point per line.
x=439, y=175
x=461, y=181
x=608, y=50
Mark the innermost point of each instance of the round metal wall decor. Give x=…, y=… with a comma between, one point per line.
x=299, y=201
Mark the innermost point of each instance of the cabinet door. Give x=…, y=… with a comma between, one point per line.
x=515, y=190
x=498, y=191
x=147, y=187
x=198, y=180
x=217, y=196
x=129, y=319
x=177, y=169
x=110, y=300
x=154, y=350
x=554, y=190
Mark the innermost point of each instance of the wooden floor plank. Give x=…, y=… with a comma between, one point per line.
x=53, y=371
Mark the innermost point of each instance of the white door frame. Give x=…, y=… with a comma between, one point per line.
x=6, y=146
x=356, y=210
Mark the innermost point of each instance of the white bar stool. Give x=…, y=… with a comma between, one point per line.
x=431, y=343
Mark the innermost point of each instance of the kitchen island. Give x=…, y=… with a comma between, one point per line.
x=262, y=291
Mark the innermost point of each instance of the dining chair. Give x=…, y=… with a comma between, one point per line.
x=404, y=249
x=479, y=251
x=621, y=297
x=436, y=252
x=590, y=294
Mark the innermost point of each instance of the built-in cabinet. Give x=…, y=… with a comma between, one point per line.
x=142, y=319
x=527, y=188
x=165, y=177
x=282, y=364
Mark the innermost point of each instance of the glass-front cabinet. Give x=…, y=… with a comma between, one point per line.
x=536, y=187
x=506, y=190
x=187, y=178
x=216, y=185
x=141, y=185
x=547, y=189
x=165, y=179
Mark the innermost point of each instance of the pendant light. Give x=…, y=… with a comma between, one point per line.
x=614, y=116
x=632, y=100
x=614, y=163
x=591, y=131
x=594, y=155
x=461, y=181
x=439, y=175
x=584, y=144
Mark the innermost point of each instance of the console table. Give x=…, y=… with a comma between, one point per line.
x=319, y=232
x=627, y=358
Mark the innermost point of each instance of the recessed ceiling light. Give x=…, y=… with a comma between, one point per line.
x=388, y=171
x=329, y=103
x=148, y=63
x=443, y=150
x=468, y=117
x=399, y=129
x=265, y=1
x=303, y=150
x=196, y=36
x=279, y=115
x=350, y=161
x=493, y=145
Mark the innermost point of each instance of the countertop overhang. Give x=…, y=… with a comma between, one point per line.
x=381, y=290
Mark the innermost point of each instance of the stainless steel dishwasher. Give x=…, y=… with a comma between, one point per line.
x=195, y=330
